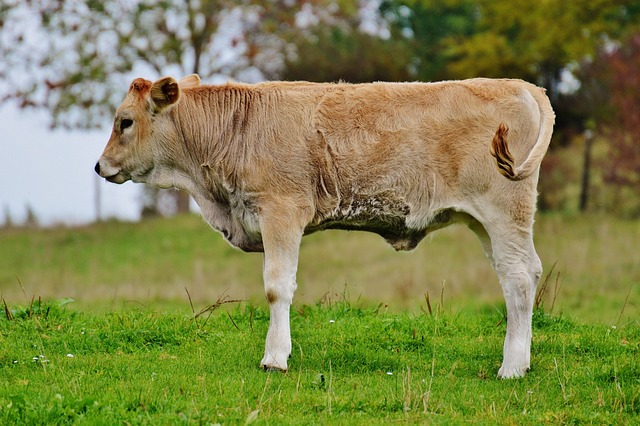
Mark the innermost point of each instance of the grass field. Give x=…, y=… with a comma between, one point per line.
x=103, y=266
x=350, y=365
x=368, y=348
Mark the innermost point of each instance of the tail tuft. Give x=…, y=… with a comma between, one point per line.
x=500, y=150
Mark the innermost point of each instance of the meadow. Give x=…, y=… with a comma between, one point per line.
x=160, y=322
x=155, y=262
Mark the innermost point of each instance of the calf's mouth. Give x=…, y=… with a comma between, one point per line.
x=118, y=177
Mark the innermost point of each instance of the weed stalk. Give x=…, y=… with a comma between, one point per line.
x=7, y=311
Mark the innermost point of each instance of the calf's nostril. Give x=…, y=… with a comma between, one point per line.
x=97, y=168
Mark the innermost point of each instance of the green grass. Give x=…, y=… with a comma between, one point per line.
x=368, y=348
x=350, y=365
x=105, y=265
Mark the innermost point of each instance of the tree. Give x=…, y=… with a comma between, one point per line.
x=625, y=125
x=31, y=221
x=542, y=42
x=620, y=124
x=606, y=104
x=76, y=58
x=8, y=221
x=427, y=27
x=356, y=57
x=82, y=68
x=508, y=38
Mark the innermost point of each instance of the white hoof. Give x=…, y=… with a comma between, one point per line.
x=274, y=363
x=512, y=372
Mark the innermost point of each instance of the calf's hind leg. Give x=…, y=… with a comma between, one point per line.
x=519, y=268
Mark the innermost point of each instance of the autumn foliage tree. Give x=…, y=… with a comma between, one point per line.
x=621, y=127
x=624, y=127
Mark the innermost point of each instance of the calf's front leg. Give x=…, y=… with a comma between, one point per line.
x=281, y=239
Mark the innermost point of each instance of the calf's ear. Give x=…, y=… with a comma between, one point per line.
x=164, y=93
x=192, y=80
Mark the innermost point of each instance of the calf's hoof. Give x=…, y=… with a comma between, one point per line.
x=512, y=372
x=271, y=363
x=273, y=369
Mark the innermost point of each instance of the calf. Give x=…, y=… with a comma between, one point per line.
x=271, y=162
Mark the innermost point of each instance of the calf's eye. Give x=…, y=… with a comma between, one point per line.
x=125, y=123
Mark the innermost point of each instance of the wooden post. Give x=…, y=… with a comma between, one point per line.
x=586, y=170
x=97, y=198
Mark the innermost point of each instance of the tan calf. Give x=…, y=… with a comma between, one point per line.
x=268, y=163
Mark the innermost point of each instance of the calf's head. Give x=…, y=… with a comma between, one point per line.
x=140, y=127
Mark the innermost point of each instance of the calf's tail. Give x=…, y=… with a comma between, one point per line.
x=500, y=145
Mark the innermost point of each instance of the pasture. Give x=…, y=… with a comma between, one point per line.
x=108, y=265
x=378, y=336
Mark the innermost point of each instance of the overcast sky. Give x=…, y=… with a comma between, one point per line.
x=52, y=172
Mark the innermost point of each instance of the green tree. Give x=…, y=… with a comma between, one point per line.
x=427, y=26
x=536, y=40
x=355, y=57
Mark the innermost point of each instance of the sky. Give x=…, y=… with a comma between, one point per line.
x=51, y=172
